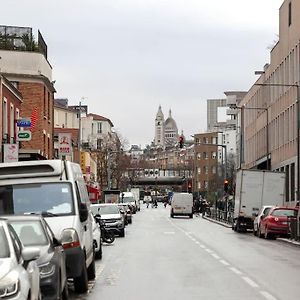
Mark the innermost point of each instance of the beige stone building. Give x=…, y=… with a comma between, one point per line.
x=268, y=117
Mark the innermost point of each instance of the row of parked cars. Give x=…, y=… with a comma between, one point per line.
x=46, y=230
x=272, y=221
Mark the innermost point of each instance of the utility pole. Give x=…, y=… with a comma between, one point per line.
x=79, y=132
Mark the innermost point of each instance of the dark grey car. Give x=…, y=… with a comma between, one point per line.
x=34, y=231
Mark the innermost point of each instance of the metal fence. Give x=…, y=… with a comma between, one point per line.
x=221, y=215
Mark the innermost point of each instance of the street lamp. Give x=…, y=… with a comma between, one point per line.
x=266, y=109
x=298, y=124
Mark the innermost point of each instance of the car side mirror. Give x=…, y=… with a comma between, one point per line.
x=83, y=212
x=30, y=253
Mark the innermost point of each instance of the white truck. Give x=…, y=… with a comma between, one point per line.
x=255, y=188
x=136, y=194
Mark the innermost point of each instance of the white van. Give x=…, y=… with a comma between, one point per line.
x=55, y=189
x=182, y=205
x=128, y=197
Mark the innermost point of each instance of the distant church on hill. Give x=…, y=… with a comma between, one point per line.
x=166, y=131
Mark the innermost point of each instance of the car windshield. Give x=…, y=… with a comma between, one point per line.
x=128, y=199
x=284, y=213
x=48, y=198
x=4, y=249
x=31, y=233
x=108, y=209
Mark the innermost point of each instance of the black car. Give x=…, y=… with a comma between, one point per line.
x=34, y=231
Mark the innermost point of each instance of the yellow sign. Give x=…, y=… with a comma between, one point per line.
x=82, y=162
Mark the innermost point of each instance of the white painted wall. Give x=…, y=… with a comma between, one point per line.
x=21, y=62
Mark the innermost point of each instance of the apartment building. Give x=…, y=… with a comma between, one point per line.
x=10, y=105
x=268, y=118
x=24, y=63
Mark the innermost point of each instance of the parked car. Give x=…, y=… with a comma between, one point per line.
x=276, y=221
x=262, y=212
x=127, y=212
x=34, y=231
x=97, y=239
x=110, y=213
x=19, y=273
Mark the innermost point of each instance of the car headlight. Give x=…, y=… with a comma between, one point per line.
x=9, y=289
x=47, y=270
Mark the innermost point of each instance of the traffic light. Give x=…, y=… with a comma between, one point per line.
x=181, y=141
x=189, y=187
x=226, y=182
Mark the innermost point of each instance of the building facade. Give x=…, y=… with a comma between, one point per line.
x=268, y=118
x=30, y=72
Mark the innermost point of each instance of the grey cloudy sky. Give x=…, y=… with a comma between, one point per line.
x=127, y=57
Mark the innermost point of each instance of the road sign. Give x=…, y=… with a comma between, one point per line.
x=23, y=123
x=24, y=135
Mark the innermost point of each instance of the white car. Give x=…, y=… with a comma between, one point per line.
x=19, y=274
x=262, y=212
x=97, y=239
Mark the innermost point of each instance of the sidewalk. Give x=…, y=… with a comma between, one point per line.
x=282, y=240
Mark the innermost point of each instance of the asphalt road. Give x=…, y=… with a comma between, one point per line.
x=182, y=258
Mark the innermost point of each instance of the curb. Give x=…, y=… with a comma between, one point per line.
x=281, y=240
x=217, y=222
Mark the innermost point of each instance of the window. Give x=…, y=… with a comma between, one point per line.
x=4, y=118
x=199, y=170
x=214, y=155
x=205, y=155
x=198, y=156
x=49, y=106
x=290, y=13
x=12, y=123
x=99, y=127
x=214, y=169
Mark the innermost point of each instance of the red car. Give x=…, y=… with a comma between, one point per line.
x=276, y=221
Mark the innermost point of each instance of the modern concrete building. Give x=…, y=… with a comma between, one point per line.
x=268, y=118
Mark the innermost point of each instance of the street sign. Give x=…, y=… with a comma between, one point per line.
x=23, y=123
x=24, y=135
x=64, y=143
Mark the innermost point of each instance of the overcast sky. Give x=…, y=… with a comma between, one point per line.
x=127, y=57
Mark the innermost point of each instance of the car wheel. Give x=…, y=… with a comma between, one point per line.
x=98, y=254
x=91, y=271
x=191, y=216
x=81, y=282
x=172, y=214
x=259, y=233
x=254, y=231
x=122, y=233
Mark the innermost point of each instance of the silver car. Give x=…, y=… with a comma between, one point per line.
x=262, y=212
x=19, y=274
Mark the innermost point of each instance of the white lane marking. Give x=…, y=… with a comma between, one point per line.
x=208, y=250
x=202, y=246
x=197, y=242
x=235, y=270
x=216, y=256
x=268, y=295
x=169, y=232
x=224, y=262
x=250, y=282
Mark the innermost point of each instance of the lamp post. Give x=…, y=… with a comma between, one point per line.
x=266, y=109
x=298, y=124
x=225, y=173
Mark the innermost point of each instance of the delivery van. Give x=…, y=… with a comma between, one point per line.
x=182, y=205
x=56, y=190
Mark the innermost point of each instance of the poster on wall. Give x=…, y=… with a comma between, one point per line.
x=64, y=144
x=10, y=152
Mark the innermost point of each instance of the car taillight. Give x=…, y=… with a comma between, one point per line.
x=70, y=238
